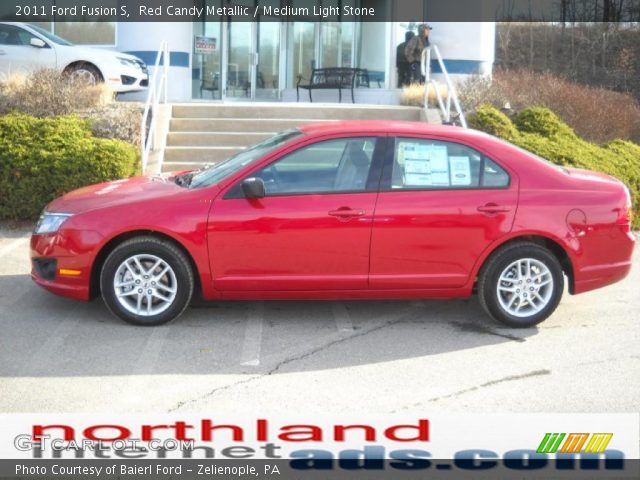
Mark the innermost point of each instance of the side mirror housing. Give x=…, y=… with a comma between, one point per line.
x=253, y=188
x=37, y=42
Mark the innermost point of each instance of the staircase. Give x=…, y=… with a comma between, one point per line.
x=206, y=133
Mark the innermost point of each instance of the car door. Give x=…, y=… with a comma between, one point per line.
x=311, y=231
x=18, y=56
x=441, y=204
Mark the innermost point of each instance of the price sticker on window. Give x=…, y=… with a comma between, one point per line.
x=425, y=165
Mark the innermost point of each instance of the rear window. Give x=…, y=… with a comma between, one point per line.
x=430, y=164
x=540, y=159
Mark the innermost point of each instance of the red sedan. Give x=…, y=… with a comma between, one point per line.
x=349, y=210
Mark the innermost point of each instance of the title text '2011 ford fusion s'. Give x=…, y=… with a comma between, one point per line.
x=346, y=210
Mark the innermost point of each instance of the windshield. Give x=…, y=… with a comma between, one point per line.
x=50, y=36
x=219, y=172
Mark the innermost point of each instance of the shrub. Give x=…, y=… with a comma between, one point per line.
x=40, y=159
x=540, y=131
x=492, y=121
x=413, y=95
x=596, y=114
x=120, y=121
x=543, y=122
x=49, y=93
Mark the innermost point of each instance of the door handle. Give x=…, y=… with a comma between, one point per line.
x=346, y=213
x=492, y=208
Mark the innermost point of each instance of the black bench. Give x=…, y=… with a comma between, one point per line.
x=335, y=78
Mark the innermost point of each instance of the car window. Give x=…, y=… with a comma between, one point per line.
x=50, y=36
x=216, y=173
x=493, y=175
x=340, y=165
x=430, y=164
x=10, y=35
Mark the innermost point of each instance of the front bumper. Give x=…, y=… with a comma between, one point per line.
x=123, y=79
x=62, y=263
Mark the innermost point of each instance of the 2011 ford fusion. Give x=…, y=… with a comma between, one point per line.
x=347, y=210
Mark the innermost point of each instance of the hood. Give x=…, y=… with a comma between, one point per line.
x=98, y=54
x=118, y=192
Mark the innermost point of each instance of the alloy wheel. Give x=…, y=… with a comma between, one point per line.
x=525, y=287
x=145, y=285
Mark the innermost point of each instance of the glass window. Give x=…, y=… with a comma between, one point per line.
x=331, y=166
x=300, y=51
x=373, y=49
x=11, y=35
x=430, y=164
x=87, y=33
x=50, y=36
x=493, y=175
x=337, y=44
x=206, y=60
x=220, y=171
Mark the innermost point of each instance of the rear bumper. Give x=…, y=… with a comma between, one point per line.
x=592, y=275
x=592, y=278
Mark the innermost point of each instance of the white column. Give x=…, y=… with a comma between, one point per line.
x=146, y=37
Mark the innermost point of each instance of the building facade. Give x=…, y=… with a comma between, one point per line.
x=233, y=60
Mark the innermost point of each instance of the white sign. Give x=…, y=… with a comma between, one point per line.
x=205, y=45
x=460, y=171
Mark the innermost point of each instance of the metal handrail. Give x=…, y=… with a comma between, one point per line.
x=157, y=93
x=452, y=94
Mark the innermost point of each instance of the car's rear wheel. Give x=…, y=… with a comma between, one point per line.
x=147, y=281
x=85, y=73
x=521, y=285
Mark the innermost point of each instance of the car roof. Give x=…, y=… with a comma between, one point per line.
x=388, y=126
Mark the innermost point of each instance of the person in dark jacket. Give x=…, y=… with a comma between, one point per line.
x=413, y=52
x=403, y=66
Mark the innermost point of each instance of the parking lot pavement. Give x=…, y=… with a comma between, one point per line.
x=57, y=355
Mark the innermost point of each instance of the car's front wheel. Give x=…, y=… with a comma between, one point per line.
x=85, y=73
x=521, y=285
x=147, y=281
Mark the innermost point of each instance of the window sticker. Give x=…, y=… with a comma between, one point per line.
x=424, y=165
x=460, y=171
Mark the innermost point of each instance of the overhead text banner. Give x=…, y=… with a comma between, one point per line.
x=315, y=10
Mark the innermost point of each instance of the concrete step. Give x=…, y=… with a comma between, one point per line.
x=297, y=111
x=236, y=124
x=433, y=116
x=199, y=155
x=214, y=139
x=181, y=166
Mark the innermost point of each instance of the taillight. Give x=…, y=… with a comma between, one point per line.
x=625, y=216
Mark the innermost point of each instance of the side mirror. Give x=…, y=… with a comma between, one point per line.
x=36, y=42
x=253, y=188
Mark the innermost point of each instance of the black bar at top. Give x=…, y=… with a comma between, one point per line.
x=320, y=10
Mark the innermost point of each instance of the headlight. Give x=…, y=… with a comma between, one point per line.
x=128, y=62
x=50, y=222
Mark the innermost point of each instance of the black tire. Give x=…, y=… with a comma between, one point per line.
x=498, y=263
x=85, y=72
x=169, y=253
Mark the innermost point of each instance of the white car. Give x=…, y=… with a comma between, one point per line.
x=25, y=48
